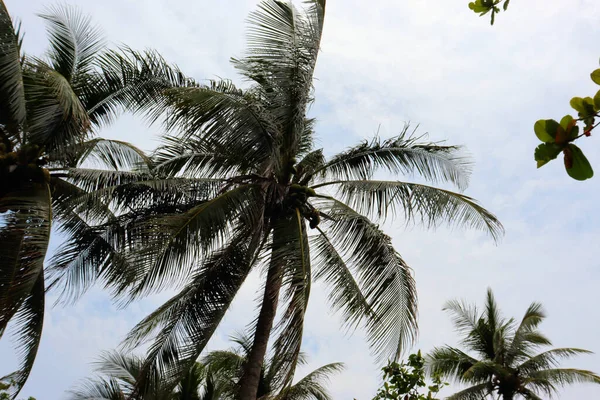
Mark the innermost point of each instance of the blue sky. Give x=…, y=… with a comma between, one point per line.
x=433, y=63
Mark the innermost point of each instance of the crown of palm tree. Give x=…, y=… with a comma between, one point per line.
x=117, y=381
x=505, y=358
x=50, y=110
x=228, y=366
x=235, y=188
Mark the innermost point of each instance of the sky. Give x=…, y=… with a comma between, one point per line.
x=433, y=63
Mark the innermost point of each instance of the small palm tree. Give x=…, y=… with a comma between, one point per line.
x=505, y=359
x=228, y=366
x=117, y=381
x=240, y=187
x=50, y=110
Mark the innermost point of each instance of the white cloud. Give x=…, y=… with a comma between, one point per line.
x=433, y=63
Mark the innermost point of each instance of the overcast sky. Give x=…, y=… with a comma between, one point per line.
x=382, y=63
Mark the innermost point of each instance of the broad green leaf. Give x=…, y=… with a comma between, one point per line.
x=566, y=122
x=577, y=165
x=597, y=100
x=546, y=152
x=506, y=4
x=545, y=130
x=596, y=76
x=577, y=104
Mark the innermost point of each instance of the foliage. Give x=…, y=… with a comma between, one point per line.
x=559, y=137
x=505, y=356
x=118, y=374
x=405, y=380
x=240, y=186
x=50, y=110
x=483, y=7
x=227, y=367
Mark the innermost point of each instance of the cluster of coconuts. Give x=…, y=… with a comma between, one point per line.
x=22, y=166
x=298, y=195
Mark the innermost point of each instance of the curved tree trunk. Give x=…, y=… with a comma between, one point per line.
x=251, y=375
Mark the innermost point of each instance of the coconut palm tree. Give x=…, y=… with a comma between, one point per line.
x=239, y=186
x=117, y=381
x=228, y=366
x=51, y=107
x=502, y=356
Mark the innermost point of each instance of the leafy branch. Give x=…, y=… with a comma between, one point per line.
x=403, y=381
x=559, y=137
x=483, y=7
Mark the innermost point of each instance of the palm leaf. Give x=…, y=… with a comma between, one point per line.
x=185, y=323
x=74, y=41
x=548, y=379
x=28, y=323
x=428, y=204
x=549, y=359
x=345, y=293
x=386, y=280
x=12, y=93
x=100, y=389
x=450, y=362
x=297, y=278
x=313, y=385
x=476, y=392
x=402, y=154
x=526, y=337
x=24, y=243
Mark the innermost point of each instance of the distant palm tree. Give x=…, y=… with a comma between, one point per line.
x=50, y=109
x=239, y=187
x=505, y=361
x=117, y=381
x=228, y=366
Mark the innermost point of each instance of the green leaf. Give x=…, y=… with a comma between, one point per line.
x=596, y=76
x=597, y=100
x=577, y=104
x=506, y=5
x=545, y=130
x=546, y=152
x=577, y=165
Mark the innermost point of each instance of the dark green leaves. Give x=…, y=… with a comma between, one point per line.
x=546, y=152
x=596, y=76
x=558, y=137
x=577, y=165
x=483, y=7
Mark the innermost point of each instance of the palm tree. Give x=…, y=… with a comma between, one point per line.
x=238, y=187
x=228, y=366
x=504, y=359
x=117, y=381
x=50, y=110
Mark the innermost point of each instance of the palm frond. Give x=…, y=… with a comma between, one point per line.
x=297, y=279
x=345, y=293
x=427, y=204
x=168, y=246
x=24, y=240
x=56, y=117
x=450, y=362
x=12, y=92
x=526, y=338
x=402, y=154
x=114, y=154
x=28, y=323
x=549, y=380
x=476, y=392
x=386, y=280
x=549, y=359
x=184, y=324
x=222, y=116
x=313, y=385
x=74, y=41
x=98, y=389
x=131, y=80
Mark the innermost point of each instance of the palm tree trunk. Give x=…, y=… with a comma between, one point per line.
x=252, y=369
